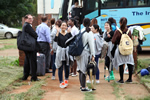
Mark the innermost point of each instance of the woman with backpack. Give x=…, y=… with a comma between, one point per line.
x=98, y=40
x=62, y=56
x=119, y=59
x=107, y=37
x=88, y=52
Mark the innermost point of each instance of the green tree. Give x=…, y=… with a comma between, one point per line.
x=12, y=11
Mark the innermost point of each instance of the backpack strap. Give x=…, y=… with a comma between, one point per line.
x=121, y=31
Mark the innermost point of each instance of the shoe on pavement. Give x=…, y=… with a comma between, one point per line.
x=128, y=81
x=37, y=79
x=88, y=81
x=74, y=75
x=97, y=81
x=86, y=90
x=53, y=77
x=62, y=85
x=120, y=81
x=66, y=83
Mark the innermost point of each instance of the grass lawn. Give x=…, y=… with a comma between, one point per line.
x=9, y=71
x=8, y=44
x=144, y=63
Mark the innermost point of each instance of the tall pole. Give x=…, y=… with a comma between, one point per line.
x=44, y=7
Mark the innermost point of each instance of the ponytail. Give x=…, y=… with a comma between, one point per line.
x=88, y=29
x=123, y=22
x=86, y=23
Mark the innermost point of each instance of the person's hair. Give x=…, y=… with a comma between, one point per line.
x=111, y=20
x=63, y=22
x=52, y=22
x=74, y=21
x=26, y=16
x=108, y=22
x=76, y=1
x=123, y=22
x=86, y=23
x=44, y=18
x=76, y=18
x=93, y=21
x=58, y=23
x=98, y=29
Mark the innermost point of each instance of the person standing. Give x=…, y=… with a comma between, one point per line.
x=62, y=55
x=87, y=54
x=107, y=37
x=98, y=40
x=43, y=39
x=74, y=31
x=30, y=62
x=119, y=59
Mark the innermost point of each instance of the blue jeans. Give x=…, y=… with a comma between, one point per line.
x=98, y=72
x=60, y=72
x=53, y=66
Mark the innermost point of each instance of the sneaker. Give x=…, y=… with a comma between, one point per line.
x=53, y=77
x=88, y=81
x=128, y=81
x=120, y=81
x=70, y=74
x=66, y=83
x=86, y=90
x=74, y=75
x=62, y=85
x=97, y=81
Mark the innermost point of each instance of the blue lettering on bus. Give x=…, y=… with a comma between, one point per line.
x=104, y=19
x=135, y=13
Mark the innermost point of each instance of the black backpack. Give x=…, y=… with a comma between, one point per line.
x=76, y=45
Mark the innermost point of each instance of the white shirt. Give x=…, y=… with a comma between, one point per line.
x=74, y=30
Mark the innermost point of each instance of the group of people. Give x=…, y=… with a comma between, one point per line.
x=52, y=40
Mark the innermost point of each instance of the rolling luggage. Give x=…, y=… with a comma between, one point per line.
x=40, y=64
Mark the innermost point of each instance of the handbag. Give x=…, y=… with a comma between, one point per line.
x=93, y=66
x=25, y=41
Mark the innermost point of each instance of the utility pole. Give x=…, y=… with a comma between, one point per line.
x=44, y=7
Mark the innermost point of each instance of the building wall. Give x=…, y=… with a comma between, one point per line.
x=48, y=10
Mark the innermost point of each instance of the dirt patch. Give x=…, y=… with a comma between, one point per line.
x=9, y=52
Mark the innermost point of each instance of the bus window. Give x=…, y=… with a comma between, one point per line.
x=111, y=3
x=138, y=2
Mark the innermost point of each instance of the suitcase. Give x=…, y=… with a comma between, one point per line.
x=40, y=64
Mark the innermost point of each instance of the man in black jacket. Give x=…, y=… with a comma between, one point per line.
x=31, y=57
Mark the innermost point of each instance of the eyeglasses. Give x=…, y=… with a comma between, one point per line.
x=30, y=18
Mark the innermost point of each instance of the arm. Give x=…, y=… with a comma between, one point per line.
x=30, y=30
x=47, y=32
x=91, y=44
x=114, y=38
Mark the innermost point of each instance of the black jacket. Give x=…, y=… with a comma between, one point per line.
x=30, y=30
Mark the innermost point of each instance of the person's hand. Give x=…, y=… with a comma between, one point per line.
x=69, y=30
x=93, y=59
x=52, y=52
x=108, y=35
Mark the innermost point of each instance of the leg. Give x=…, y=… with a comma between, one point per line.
x=107, y=62
x=33, y=65
x=26, y=70
x=97, y=73
x=121, y=71
x=83, y=80
x=130, y=68
x=75, y=67
x=54, y=67
x=66, y=70
x=80, y=78
x=60, y=74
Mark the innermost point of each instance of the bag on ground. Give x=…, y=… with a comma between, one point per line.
x=40, y=64
x=126, y=44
